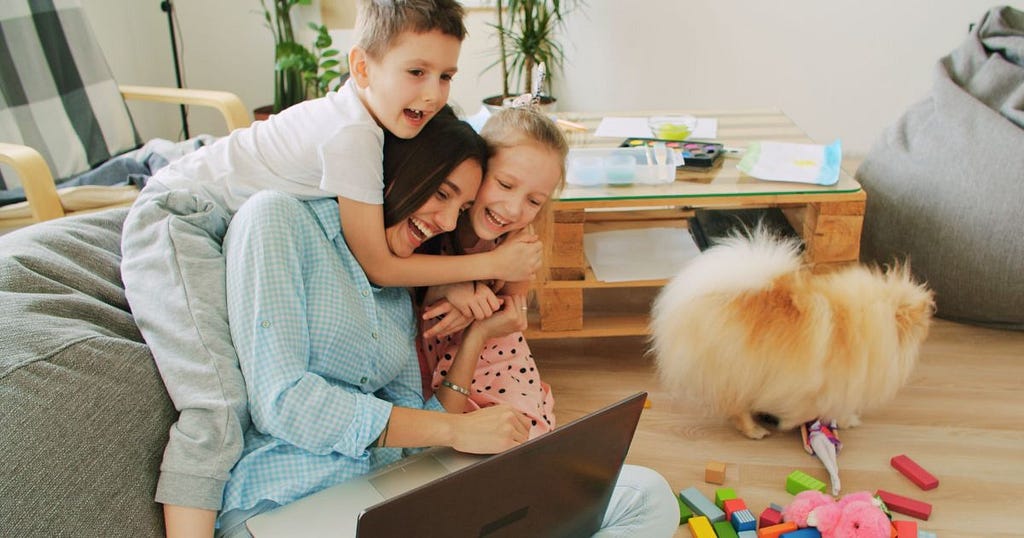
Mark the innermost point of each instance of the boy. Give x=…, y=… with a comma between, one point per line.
x=401, y=68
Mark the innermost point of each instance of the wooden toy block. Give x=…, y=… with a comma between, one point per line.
x=806, y=532
x=905, y=505
x=743, y=520
x=775, y=531
x=723, y=529
x=647, y=402
x=798, y=481
x=769, y=516
x=733, y=505
x=747, y=534
x=700, y=527
x=684, y=511
x=905, y=529
x=910, y=469
x=714, y=473
x=701, y=505
x=722, y=495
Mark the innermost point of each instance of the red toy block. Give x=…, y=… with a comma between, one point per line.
x=769, y=516
x=905, y=529
x=732, y=505
x=905, y=505
x=914, y=472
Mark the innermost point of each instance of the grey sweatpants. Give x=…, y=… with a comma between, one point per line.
x=173, y=272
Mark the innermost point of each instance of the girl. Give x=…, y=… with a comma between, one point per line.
x=526, y=166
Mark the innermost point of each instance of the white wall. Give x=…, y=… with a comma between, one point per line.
x=840, y=68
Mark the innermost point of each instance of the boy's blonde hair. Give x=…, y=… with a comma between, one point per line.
x=513, y=126
x=380, y=22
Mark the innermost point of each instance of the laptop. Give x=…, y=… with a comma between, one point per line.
x=558, y=484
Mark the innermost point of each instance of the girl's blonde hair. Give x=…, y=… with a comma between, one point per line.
x=514, y=126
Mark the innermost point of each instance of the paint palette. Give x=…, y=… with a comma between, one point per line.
x=697, y=155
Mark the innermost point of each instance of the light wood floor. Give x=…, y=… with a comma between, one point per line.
x=961, y=416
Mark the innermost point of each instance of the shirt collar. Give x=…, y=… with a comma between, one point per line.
x=325, y=211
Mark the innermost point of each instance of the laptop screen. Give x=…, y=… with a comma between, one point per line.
x=558, y=484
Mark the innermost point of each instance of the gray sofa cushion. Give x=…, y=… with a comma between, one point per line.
x=84, y=415
x=945, y=183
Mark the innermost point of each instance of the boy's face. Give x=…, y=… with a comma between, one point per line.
x=440, y=213
x=520, y=179
x=409, y=84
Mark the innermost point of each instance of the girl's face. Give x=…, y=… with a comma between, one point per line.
x=519, y=180
x=440, y=213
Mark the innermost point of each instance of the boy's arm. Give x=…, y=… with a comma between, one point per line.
x=363, y=225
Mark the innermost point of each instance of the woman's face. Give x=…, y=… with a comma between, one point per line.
x=440, y=213
x=519, y=180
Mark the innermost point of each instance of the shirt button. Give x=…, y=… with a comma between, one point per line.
x=366, y=293
x=374, y=335
x=265, y=324
x=363, y=380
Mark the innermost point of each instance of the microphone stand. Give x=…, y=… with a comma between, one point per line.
x=165, y=6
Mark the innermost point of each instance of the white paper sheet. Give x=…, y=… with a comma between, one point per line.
x=617, y=127
x=642, y=254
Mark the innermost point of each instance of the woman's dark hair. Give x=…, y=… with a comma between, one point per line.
x=415, y=168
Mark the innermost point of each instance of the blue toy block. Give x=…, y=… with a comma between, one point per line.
x=743, y=520
x=701, y=504
x=806, y=532
x=926, y=534
x=747, y=534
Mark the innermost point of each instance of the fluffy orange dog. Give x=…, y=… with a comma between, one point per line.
x=747, y=330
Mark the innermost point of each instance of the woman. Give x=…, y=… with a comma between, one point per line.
x=329, y=359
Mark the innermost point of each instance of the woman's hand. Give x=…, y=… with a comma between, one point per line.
x=490, y=430
x=471, y=299
x=452, y=322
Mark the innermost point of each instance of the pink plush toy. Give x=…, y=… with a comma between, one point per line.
x=857, y=515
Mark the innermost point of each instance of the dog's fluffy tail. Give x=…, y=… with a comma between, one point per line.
x=691, y=303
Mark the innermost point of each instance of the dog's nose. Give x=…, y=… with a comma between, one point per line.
x=767, y=419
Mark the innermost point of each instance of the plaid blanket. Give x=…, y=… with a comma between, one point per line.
x=57, y=94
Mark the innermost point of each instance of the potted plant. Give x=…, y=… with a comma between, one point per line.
x=526, y=38
x=300, y=73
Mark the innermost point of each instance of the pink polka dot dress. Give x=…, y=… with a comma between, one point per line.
x=505, y=372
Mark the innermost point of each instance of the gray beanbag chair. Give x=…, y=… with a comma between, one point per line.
x=945, y=183
x=84, y=415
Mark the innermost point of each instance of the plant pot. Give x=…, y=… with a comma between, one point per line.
x=262, y=113
x=495, y=103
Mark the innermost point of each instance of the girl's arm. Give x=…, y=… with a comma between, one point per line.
x=364, y=233
x=511, y=318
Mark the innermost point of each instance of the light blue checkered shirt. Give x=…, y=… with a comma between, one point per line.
x=325, y=354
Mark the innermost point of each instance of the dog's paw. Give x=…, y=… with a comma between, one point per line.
x=850, y=421
x=746, y=424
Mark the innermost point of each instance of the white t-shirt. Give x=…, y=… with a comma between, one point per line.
x=324, y=147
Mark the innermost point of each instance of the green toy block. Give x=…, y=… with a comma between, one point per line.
x=723, y=529
x=684, y=511
x=798, y=481
x=722, y=495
